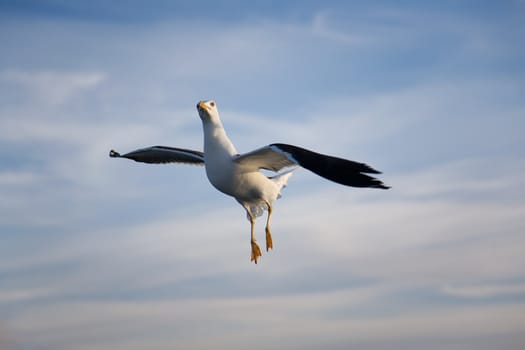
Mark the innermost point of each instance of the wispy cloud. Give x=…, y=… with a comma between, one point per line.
x=485, y=291
x=99, y=253
x=184, y=320
x=52, y=87
x=322, y=26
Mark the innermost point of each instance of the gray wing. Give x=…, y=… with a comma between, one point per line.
x=343, y=171
x=162, y=154
x=267, y=157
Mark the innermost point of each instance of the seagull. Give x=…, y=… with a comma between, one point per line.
x=239, y=175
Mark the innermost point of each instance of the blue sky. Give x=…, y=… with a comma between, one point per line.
x=98, y=253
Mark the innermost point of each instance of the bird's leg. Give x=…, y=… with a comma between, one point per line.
x=269, y=243
x=256, y=251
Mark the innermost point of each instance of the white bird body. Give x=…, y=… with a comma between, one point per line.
x=251, y=188
x=239, y=175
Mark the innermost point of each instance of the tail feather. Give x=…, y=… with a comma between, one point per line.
x=281, y=179
x=256, y=209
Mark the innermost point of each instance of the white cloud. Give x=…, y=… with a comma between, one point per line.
x=297, y=322
x=23, y=294
x=322, y=26
x=53, y=87
x=464, y=179
x=16, y=178
x=485, y=291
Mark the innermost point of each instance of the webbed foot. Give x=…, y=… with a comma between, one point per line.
x=256, y=252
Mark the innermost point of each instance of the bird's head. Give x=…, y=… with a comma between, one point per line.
x=208, y=111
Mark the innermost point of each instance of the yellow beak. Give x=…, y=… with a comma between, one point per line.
x=203, y=106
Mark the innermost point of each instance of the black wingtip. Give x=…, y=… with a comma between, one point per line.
x=365, y=168
x=375, y=183
x=114, y=154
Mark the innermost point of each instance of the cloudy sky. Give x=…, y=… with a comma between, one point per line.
x=99, y=253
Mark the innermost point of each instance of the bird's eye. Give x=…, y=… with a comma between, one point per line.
x=212, y=104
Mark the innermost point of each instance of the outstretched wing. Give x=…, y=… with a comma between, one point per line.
x=343, y=171
x=162, y=154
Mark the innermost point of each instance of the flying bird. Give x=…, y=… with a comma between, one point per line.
x=239, y=175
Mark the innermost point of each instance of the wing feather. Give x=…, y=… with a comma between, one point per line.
x=265, y=158
x=343, y=171
x=162, y=154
